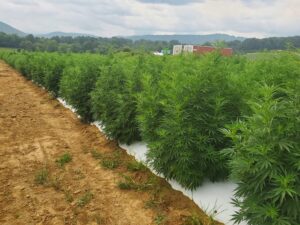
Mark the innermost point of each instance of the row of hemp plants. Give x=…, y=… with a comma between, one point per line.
x=202, y=117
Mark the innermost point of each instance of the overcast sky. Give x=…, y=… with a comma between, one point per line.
x=259, y=18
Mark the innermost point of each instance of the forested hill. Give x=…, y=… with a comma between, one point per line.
x=187, y=38
x=272, y=43
x=64, y=34
x=73, y=42
x=5, y=28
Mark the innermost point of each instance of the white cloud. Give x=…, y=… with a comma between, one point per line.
x=126, y=17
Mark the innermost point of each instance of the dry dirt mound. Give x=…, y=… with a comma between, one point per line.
x=56, y=170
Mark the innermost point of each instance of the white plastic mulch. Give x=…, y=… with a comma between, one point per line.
x=213, y=198
x=66, y=105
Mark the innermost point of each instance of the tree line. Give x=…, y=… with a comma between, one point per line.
x=117, y=44
x=81, y=44
x=255, y=44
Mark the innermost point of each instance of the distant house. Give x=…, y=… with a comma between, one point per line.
x=188, y=48
x=178, y=49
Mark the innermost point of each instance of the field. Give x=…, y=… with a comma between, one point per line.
x=56, y=170
x=202, y=117
x=268, y=54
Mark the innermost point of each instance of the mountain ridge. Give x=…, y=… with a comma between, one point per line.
x=187, y=38
x=182, y=38
x=64, y=34
x=6, y=28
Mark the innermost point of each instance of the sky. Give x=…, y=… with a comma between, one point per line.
x=247, y=18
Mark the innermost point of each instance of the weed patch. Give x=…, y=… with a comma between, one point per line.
x=55, y=183
x=129, y=183
x=111, y=161
x=135, y=166
x=85, y=199
x=192, y=220
x=96, y=154
x=68, y=196
x=160, y=219
x=41, y=177
x=64, y=159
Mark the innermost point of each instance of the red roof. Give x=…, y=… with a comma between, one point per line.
x=206, y=49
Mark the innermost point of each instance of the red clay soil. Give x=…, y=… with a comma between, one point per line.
x=35, y=131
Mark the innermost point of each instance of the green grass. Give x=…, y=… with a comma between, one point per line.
x=64, y=159
x=68, y=196
x=129, y=183
x=152, y=204
x=85, y=199
x=126, y=185
x=192, y=220
x=96, y=154
x=41, y=177
x=78, y=174
x=111, y=161
x=55, y=183
x=160, y=219
x=135, y=166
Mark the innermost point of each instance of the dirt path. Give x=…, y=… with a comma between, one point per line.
x=35, y=130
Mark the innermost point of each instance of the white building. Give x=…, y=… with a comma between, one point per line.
x=177, y=49
x=188, y=48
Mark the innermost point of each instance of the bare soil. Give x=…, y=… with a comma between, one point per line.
x=35, y=130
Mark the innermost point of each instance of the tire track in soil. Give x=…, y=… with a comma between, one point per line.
x=34, y=131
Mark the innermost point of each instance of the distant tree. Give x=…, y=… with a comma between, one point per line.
x=64, y=48
x=219, y=44
x=116, y=44
x=207, y=44
x=30, y=38
x=27, y=45
x=290, y=46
